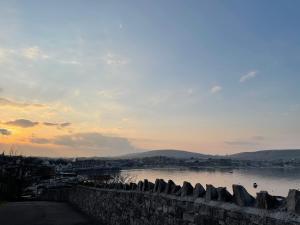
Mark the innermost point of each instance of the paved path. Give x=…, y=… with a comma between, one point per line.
x=40, y=213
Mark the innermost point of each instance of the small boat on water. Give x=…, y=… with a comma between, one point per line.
x=255, y=185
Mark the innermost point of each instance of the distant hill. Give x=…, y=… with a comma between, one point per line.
x=171, y=153
x=263, y=155
x=268, y=155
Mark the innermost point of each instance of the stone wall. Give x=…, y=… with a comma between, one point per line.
x=169, y=204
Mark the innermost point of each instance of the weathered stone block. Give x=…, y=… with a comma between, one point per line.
x=241, y=197
x=211, y=193
x=126, y=186
x=223, y=194
x=151, y=186
x=161, y=186
x=187, y=189
x=156, y=185
x=293, y=201
x=266, y=201
x=176, y=190
x=146, y=185
x=169, y=187
x=199, y=191
x=140, y=186
x=133, y=186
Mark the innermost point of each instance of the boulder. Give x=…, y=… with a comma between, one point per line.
x=199, y=191
x=187, y=189
x=156, y=185
x=161, y=186
x=176, y=190
x=133, y=186
x=293, y=201
x=169, y=187
x=266, y=201
x=151, y=186
x=146, y=185
x=211, y=193
x=140, y=186
x=126, y=186
x=223, y=194
x=241, y=197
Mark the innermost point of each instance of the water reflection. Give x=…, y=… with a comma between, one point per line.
x=275, y=181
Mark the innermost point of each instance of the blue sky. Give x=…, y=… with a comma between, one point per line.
x=207, y=76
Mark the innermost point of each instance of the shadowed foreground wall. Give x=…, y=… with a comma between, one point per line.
x=121, y=207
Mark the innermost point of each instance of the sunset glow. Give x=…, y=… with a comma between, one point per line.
x=104, y=79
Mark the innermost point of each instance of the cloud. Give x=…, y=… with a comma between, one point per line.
x=28, y=123
x=51, y=124
x=59, y=125
x=90, y=140
x=5, y=132
x=22, y=123
x=30, y=53
x=8, y=102
x=5, y=54
x=33, y=53
x=215, y=89
x=40, y=140
x=112, y=59
x=69, y=62
x=250, y=75
x=65, y=124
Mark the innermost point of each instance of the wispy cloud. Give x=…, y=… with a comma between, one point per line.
x=8, y=102
x=34, y=53
x=69, y=62
x=215, y=89
x=4, y=132
x=58, y=125
x=41, y=141
x=250, y=75
x=22, y=123
x=4, y=54
x=113, y=59
x=31, y=53
x=91, y=140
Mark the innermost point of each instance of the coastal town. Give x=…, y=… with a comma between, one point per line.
x=26, y=177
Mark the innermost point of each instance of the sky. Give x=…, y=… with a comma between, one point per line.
x=105, y=78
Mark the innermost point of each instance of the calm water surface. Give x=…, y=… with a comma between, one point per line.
x=275, y=181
